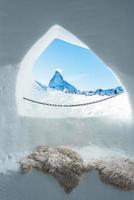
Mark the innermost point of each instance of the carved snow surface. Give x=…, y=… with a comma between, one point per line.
x=67, y=166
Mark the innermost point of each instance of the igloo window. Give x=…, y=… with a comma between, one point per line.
x=61, y=77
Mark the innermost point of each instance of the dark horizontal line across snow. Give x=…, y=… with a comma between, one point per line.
x=68, y=105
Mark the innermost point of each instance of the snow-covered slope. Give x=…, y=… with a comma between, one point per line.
x=116, y=106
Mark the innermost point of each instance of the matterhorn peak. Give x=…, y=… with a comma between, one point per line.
x=57, y=82
x=58, y=70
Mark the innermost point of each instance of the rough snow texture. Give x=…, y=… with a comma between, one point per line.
x=118, y=172
x=67, y=166
x=64, y=164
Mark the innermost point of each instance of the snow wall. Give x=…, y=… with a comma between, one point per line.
x=106, y=26
x=22, y=133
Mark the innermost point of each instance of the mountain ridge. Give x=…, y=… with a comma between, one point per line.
x=57, y=82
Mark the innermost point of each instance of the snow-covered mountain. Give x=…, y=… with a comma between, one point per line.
x=109, y=92
x=58, y=83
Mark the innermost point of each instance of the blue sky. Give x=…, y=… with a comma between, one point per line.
x=79, y=66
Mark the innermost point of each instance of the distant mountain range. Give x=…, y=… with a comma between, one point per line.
x=57, y=82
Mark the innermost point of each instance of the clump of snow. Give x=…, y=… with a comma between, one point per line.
x=64, y=164
x=67, y=166
x=118, y=171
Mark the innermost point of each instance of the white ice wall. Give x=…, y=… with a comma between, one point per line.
x=21, y=133
x=107, y=27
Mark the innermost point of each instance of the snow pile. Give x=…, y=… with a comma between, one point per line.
x=67, y=166
x=64, y=164
x=117, y=171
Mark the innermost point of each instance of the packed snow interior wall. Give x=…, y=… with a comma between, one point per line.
x=110, y=37
x=105, y=26
x=20, y=134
